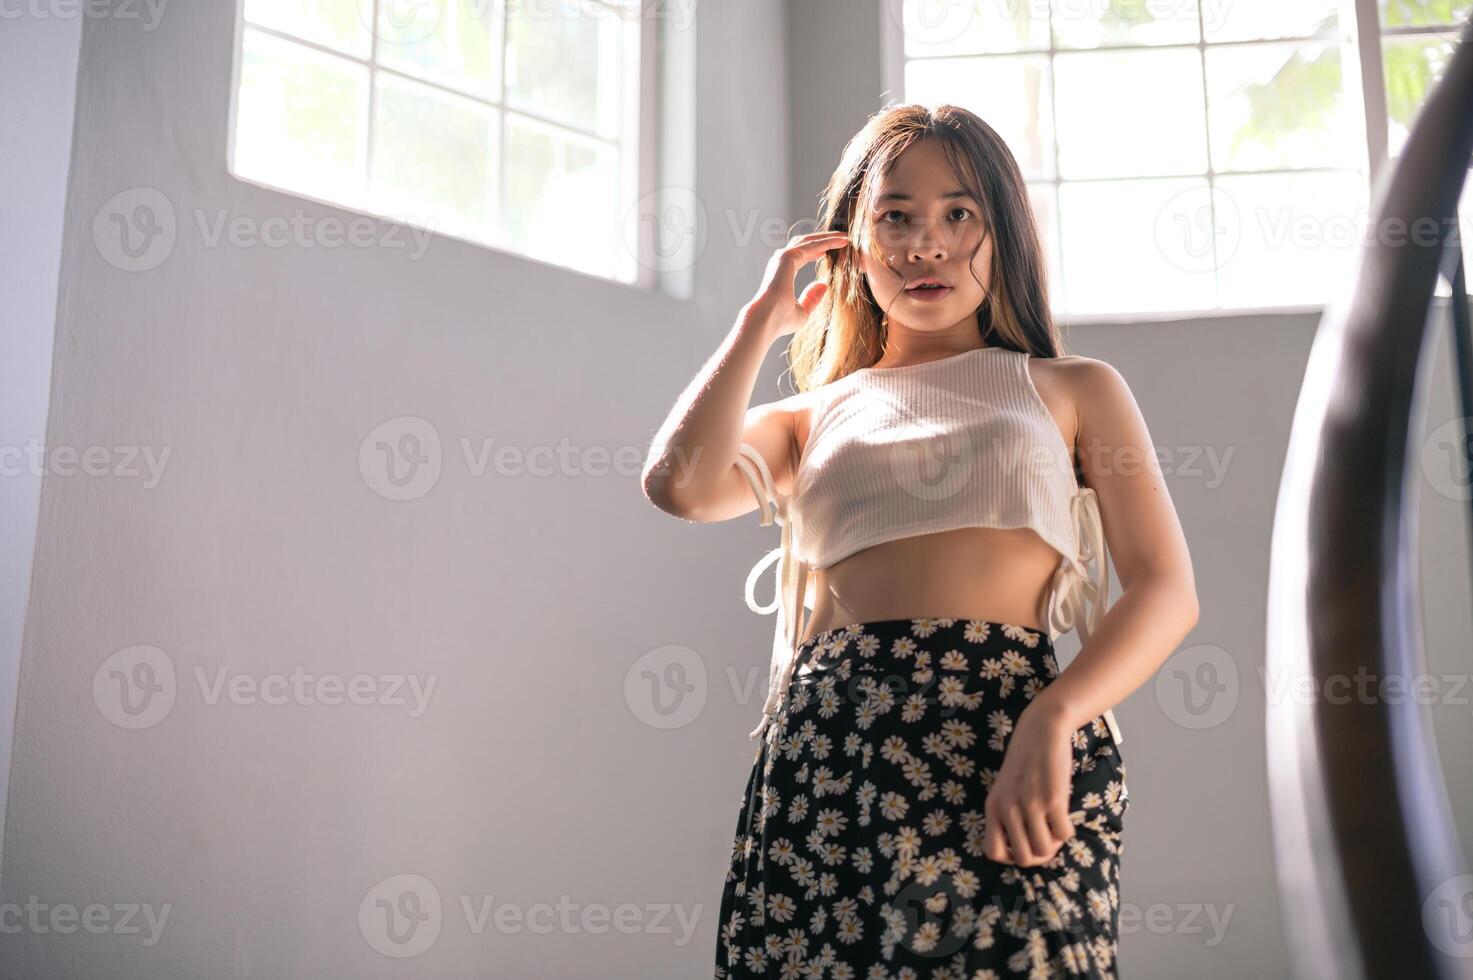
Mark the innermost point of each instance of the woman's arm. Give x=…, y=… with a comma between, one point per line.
x=1027, y=808
x=1158, y=605
x=691, y=470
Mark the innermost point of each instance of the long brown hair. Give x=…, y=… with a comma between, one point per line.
x=846, y=331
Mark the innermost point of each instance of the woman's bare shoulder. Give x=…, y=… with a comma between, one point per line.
x=1074, y=386
x=1089, y=378
x=1074, y=376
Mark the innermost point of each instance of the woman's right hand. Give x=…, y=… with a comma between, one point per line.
x=774, y=307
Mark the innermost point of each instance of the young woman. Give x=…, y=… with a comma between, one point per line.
x=932, y=797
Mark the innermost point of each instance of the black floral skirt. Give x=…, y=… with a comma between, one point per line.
x=858, y=850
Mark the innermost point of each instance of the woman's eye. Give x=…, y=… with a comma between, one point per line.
x=957, y=213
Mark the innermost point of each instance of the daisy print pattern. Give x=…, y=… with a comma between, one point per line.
x=858, y=847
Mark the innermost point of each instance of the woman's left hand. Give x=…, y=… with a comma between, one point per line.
x=1027, y=807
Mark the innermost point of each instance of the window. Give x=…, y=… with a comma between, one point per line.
x=1417, y=39
x=515, y=125
x=1184, y=156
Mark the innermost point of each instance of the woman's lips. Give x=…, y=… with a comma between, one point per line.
x=929, y=294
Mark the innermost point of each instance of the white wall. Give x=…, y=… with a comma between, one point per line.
x=262, y=549
x=38, y=76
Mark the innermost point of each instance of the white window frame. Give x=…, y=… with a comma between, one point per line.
x=639, y=144
x=1361, y=20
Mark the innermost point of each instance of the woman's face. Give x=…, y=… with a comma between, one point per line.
x=925, y=224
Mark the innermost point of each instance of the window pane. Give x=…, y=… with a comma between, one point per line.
x=301, y=118
x=942, y=27
x=1136, y=245
x=1045, y=201
x=433, y=158
x=1288, y=238
x=461, y=48
x=338, y=24
x=1424, y=13
x=563, y=63
x=1280, y=106
x=1090, y=25
x=1412, y=66
x=561, y=198
x=1011, y=93
x=1111, y=105
x=1465, y=230
x=1264, y=20
x=1465, y=233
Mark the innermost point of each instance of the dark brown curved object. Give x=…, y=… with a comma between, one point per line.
x=1369, y=864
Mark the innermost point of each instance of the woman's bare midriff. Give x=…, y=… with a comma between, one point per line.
x=996, y=574
x=992, y=574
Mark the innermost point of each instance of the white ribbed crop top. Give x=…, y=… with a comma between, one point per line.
x=962, y=441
